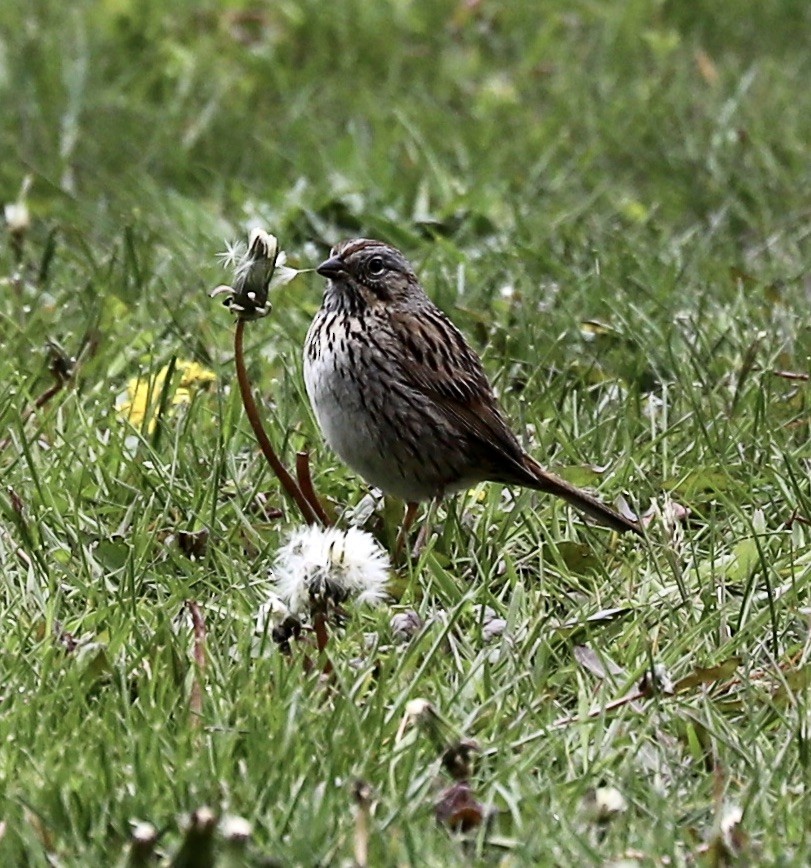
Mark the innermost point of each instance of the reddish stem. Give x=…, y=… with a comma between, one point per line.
x=40, y=402
x=288, y=483
x=322, y=638
x=305, y=482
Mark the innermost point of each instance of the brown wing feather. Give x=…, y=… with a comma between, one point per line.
x=444, y=368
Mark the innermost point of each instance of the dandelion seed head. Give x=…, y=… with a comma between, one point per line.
x=237, y=256
x=272, y=613
x=317, y=562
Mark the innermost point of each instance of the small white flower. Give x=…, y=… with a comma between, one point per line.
x=601, y=804
x=730, y=830
x=144, y=833
x=201, y=820
x=731, y=816
x=653, y=406
x=320, y=562
x=17, y=217
x=416, y=711
x=236, y=830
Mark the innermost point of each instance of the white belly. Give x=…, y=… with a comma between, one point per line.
x=359, y=422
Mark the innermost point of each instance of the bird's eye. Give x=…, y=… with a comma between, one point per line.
x=376, y=265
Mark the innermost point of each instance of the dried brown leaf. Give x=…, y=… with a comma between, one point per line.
x=458, y=808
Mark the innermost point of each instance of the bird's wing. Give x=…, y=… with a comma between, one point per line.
x=444, y=368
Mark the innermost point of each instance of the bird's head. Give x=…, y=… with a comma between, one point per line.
x=364, y=273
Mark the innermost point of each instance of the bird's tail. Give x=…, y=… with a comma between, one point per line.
x=579, y=499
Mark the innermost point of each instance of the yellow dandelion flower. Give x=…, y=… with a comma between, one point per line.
x=134, y=403
x=193, y=375
x=142, y=398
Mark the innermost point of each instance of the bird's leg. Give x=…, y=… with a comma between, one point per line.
x=427, y=526
x=402, y=536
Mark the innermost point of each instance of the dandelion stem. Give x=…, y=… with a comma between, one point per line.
x=287, y=481
x=199, y=630
x=321, y=633
x=305, y=482
x=322, y=638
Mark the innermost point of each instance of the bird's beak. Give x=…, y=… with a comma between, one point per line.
x=332, y=267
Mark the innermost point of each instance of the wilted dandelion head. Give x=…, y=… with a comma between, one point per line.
x=319, y=564
x=258, y=267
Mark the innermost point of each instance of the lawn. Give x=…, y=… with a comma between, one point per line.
x=611, y=200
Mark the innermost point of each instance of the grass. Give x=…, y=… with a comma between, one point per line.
x=611, y=200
